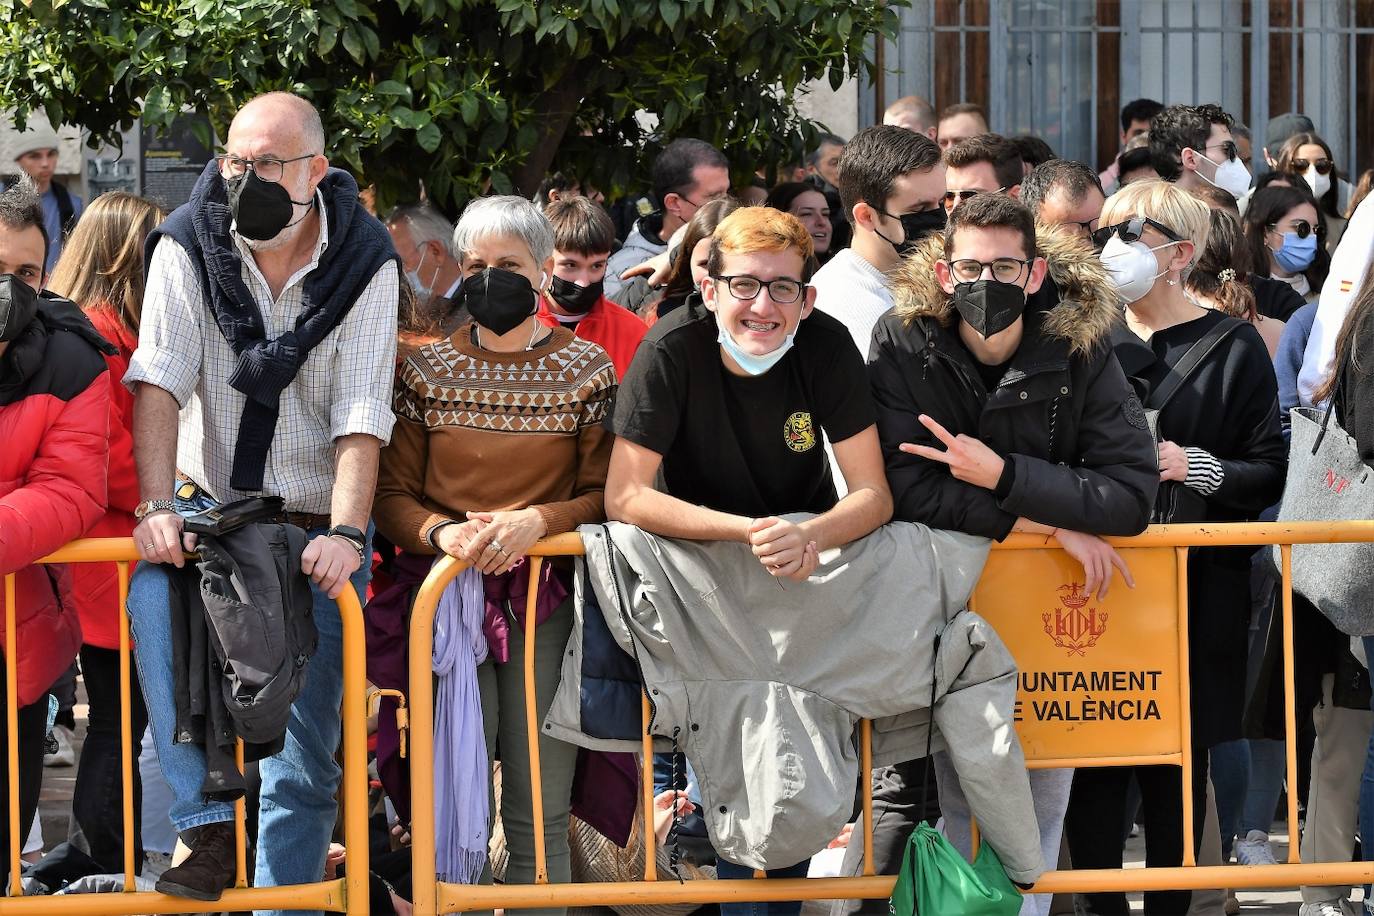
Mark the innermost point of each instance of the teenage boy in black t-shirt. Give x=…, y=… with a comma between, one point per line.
x=730, y=401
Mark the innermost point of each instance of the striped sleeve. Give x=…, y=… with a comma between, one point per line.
x=1205, y=473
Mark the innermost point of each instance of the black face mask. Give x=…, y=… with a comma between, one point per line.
x=262, y=209
x=18, y=306
x=989, y=307
x=573, y=298
x=915, y=227
x=498, y=300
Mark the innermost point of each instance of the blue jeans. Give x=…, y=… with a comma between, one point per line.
x=725, y=870
x=297, y=809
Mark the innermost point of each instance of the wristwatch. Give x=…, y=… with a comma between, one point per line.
x=356, y=539
x=149, y=506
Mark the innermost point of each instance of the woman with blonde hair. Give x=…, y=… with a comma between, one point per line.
x=101, y=270
x=1208, y=384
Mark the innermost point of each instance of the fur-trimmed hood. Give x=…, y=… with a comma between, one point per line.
x=1087, y=308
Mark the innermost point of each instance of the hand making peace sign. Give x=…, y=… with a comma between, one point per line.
x=968, y=458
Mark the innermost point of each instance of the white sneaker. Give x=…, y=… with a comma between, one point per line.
x=1255, y=849
x=65, y=755
x=1324, y=909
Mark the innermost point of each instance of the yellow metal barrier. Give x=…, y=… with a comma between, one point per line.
x=433, y=897
x=345, y=895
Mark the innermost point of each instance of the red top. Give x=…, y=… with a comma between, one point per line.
x=617, y=330
x=97, y=584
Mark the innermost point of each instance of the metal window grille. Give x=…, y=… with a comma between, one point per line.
x=1034, y=64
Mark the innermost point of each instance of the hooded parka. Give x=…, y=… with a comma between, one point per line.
x=1078, y=450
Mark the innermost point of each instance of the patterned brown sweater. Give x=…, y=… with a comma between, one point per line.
x=483, y=431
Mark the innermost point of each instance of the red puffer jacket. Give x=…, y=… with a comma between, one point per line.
x=54, y=423
x=617, y=330
x=97, y=584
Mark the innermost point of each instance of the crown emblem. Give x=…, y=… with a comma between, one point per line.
x=1074, y=627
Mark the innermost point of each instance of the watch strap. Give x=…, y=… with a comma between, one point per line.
x=149, y=506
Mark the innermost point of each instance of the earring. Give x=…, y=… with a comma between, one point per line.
x=1171, y=281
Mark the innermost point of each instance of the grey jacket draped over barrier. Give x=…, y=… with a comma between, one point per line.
x=762, y=682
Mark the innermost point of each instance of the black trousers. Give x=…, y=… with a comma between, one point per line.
x=33, y=729
x=899, y=804
x=1093, y=827
x=97, y=823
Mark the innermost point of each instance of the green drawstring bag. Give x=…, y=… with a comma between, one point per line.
x=935, y=880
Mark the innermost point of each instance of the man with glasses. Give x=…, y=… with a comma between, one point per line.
x=687, y=174
x=890, y=184
x=1065, y=193
x=985, y=164
x=997, y=414
x=1192, y=146
x=264, y=367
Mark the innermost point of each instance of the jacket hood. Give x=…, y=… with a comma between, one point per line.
x=1087, y=310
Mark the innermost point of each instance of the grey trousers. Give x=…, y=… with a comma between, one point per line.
x=1332, y=800
x=503, y=717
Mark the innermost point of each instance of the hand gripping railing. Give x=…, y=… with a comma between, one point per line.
x=432, y=896
x=344, y=895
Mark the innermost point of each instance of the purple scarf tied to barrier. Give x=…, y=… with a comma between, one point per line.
x=461, y=769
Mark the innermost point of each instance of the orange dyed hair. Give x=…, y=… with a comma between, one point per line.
x=753, y=229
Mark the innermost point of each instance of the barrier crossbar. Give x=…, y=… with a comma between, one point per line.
x=343, y=895
x=433, y=897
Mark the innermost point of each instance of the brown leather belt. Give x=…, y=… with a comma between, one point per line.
x=304, y=520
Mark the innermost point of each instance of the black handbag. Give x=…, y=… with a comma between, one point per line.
x=1175, y=501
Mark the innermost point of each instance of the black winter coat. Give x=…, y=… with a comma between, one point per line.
x=1229, y=407
x=1078, y=451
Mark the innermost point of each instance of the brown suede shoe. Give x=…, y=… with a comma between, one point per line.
x=208, y=871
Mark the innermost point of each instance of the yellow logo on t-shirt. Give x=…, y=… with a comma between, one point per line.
x=799, y=433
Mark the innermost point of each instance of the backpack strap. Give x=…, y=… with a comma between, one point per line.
x=1188, y=363
x=66, y=210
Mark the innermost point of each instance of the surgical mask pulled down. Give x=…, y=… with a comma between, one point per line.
x=1132, y=266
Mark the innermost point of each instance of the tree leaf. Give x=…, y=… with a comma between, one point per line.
x=429, y=137
x=353, y=44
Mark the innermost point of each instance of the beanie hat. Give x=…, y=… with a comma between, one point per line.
x=38, y=136
x=1285, y=126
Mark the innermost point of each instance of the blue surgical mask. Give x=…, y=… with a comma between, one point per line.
x=753, y=365
x=423, y=291
x=1296, y=254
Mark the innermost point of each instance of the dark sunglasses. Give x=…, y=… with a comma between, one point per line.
x=952, y=198
x=1131, y=231
x=1301, y=228
x=1228, y=147
x=1298, y=166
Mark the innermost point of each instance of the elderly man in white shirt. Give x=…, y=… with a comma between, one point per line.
x=264, y=367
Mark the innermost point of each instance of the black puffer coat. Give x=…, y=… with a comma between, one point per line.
x=1063, y=416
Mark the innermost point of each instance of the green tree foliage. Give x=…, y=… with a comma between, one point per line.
x=462, y=94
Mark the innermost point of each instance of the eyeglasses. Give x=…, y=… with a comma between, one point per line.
x=1227, y=146
x=1298, y=166
x=954, y=198
x=721, y=195
x=1004, y=270
x=266, y=168
x=1301, y=228
x=1086, y=227
x=783, y=290
x=1131, y=231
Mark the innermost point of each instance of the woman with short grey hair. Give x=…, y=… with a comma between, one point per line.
x=499, y=442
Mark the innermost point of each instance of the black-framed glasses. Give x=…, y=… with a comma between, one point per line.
x=1323, y=166
x=952, y=199
x=1004, y=270
x=1228, y=148
x=1301, y=228
x=1131, y=230
x=783, y=290
x=267, y=168
x=1086, y=227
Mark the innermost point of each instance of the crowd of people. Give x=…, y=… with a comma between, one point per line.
x=927, y=324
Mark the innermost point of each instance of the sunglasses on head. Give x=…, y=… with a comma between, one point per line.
x=1323, y=166
x=1301, y=228
x=1131, y=230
